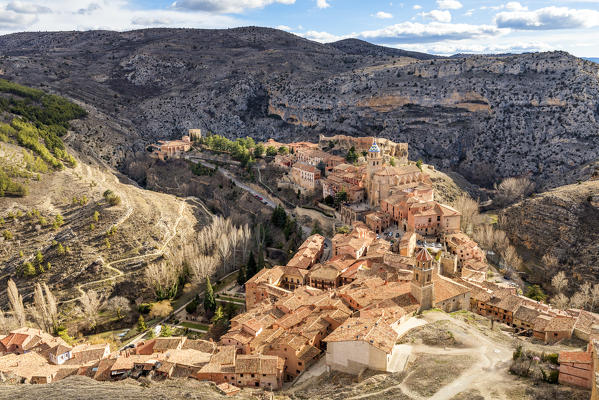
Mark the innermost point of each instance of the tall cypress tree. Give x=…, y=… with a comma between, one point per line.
x=209, y=301
x=260, y=260
x=241, y=278
x=251, y=269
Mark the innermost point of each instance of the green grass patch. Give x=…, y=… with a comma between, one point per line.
x=194, y=325
x=231, y=299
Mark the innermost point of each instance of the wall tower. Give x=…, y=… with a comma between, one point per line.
x=422, y=287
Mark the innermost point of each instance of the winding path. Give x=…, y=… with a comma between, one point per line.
x=120, y=273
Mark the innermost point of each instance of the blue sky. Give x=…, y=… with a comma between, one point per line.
x=434, y=26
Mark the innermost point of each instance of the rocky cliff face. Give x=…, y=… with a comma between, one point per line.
x=562, y=222
x=485, y=117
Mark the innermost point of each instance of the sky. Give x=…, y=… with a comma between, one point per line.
x=434, y=26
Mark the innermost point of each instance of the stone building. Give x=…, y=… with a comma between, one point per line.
x=305, y=177
x=422, y=287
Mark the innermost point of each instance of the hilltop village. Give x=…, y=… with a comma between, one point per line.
x=347, y=300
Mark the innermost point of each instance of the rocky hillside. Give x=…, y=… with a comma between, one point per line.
x=68, y=219
x=486, y=117
x=562, y=222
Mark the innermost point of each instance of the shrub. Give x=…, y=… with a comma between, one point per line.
x=7, y=235
x=144, y=308
x=551, y=357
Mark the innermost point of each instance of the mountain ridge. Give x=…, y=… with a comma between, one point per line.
x=486, y=117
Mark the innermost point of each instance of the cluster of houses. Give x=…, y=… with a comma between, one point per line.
x=380, y=189
x=32, y=356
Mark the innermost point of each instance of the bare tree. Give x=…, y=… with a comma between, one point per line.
x=579, y=300
x=559, y=281
x=549, y=261
x=91, y=302
x=511, y=190
x=201, y=267
x=163, y=278
x=119, y=306
x=469, y=210
x=511, y=258
x=7, y=323
x=594, y=296
x=560, y=301
x=44, y=310
x=16, y=303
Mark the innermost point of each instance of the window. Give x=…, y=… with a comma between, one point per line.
x=298, y=371
x=241, y=375
x=299, y=363
x=252, y=375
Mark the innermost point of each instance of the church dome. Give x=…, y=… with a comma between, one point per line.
x=374, y=148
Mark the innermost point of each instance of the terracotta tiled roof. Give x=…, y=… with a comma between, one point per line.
x=373, y=331
x=201, y=345
x=526, y=314
x=446, y=288
x=259, y=364
x=423, y=255
x=560, y=324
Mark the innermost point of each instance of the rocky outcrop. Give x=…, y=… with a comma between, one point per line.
x=563, y=222
x=487, y=117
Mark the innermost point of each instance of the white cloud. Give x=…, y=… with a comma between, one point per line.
x=383, y=15
x=324, y=37
x=416, y=7
x=105, y=14
x=322, y=4
x=10, y=20
x=283, y=27
x=449, y=4
x=469, y=12
x=225, y=6
x=515, y=6
x=411, y=32
x=548, y=18
x=470, y=47
x=437, y=15
x=27, y=8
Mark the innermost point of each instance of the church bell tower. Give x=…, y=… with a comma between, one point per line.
x=422, y=287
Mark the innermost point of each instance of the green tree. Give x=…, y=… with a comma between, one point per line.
x=218, y=315
x=340, y=197
x=166, y=331
x=343, y=229
x=141, y=324
x=209, y=301
x=419, y=164
x=29, y=269
x=392, y=161
x=271, y=151
x=251, y=266
x=279, y=216
x=241, y=276
x=536, y=293
x=39, y=258
x=7, y=235
x=259, y=150
x=59, y=220
x=192, y=306
x=60, y=249
x=316, y=228
x=351, y=156
x=283, y=150
x=96, y=216
x=260, y=263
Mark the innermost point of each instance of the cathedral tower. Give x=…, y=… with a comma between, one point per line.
x=422, y=287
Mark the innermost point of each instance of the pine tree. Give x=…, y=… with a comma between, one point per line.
x=260, y=260
x=141, y=324
x=251, y=267
x=241, y=278
x=209, y=301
